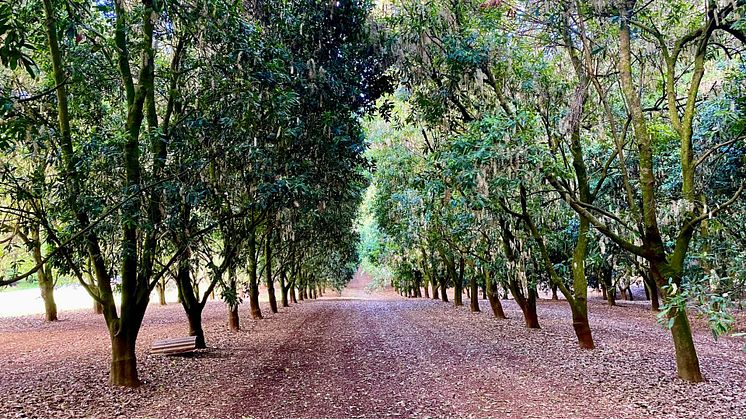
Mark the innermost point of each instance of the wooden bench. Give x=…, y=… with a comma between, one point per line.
x=174, y=345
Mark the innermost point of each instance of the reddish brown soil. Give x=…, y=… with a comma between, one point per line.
x=363, y=355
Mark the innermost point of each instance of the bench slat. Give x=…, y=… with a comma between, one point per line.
x=174, y=345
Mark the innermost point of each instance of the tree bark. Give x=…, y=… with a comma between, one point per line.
x=162, y=292
x=607, y=283
x=194, y=316
x=527, y=304
x=123, y=360
x=493, y=297
x=292, y=294
x=284, y=288
x=256, y=311
x=444, y=288
x=458, y=281
x=44, y=275
x=652, y=290
x=474, y=294
x=687, y=362
x=268, y=267
x=234, y=322
x=190, y=301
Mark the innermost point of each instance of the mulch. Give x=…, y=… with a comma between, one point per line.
x=372, y=355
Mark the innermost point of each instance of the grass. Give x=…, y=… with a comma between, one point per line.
x=32, y=283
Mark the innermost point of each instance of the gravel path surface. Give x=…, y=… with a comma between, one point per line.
x=362, y=355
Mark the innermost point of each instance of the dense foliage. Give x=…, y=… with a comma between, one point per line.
x=196, y=141
x=559, y=146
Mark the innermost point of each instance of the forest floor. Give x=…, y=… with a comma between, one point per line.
x=371, y=355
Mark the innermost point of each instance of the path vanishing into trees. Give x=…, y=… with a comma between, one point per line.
x=371, y=355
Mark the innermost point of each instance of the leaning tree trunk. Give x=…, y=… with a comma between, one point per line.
x=526, y=304
x=581, y=325
x=190, y=301
x=493, y=297
x=579, y=299
x=687, y=362
x=652, y=291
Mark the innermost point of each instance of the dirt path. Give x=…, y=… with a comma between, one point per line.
x=362, y=355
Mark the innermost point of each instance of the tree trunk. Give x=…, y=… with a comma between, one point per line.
x=284, y=288
x=162, y=292
x=234, y=322
x=434, y=284
x=292, y=294
x=123, y=360
x=444, y=288
x=623, y=292
x=531, y=317
x=554, y=293
x=607, y=284
x=97, y=307
x=190, y=300
x=194, y=316
x=44, y=275
x=493, y=297
x=652, y=290
x=268, y=267
x=458, y=278
x=582, y=326
x=527, y=305
x=474, y=294
x=579, y=299
x=687, y=363
x=256, y=311
x=46, y=286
